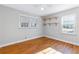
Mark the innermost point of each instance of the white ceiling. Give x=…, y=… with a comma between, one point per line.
x=41, y=9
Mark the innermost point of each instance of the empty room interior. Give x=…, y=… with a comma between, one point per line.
x=39, y=29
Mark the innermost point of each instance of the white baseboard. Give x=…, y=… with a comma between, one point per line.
x=74, y=43
x=4, y=45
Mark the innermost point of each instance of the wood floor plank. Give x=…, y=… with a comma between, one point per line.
x=36, y=45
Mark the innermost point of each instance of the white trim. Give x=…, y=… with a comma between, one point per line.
x=73, y=14
x=62, y=40
x=4, y=45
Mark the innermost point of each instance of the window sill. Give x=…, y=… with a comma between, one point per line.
x=72, y=34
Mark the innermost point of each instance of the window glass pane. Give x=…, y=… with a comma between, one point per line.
x=68, y=24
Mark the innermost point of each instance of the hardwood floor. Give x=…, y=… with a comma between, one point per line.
x=36, y=45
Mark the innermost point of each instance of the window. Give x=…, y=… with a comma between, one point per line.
x=23, y=21
x=68, y=24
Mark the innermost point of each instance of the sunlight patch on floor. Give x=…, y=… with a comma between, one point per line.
x=49, y=51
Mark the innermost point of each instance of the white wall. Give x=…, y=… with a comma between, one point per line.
x=55, y=31
x=10, y=31
x=9, y=26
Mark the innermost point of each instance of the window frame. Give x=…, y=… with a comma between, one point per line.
x=74, y=29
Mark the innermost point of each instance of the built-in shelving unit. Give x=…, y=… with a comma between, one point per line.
x=50, y=21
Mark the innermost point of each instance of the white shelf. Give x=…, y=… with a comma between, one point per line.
x=50, y=21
